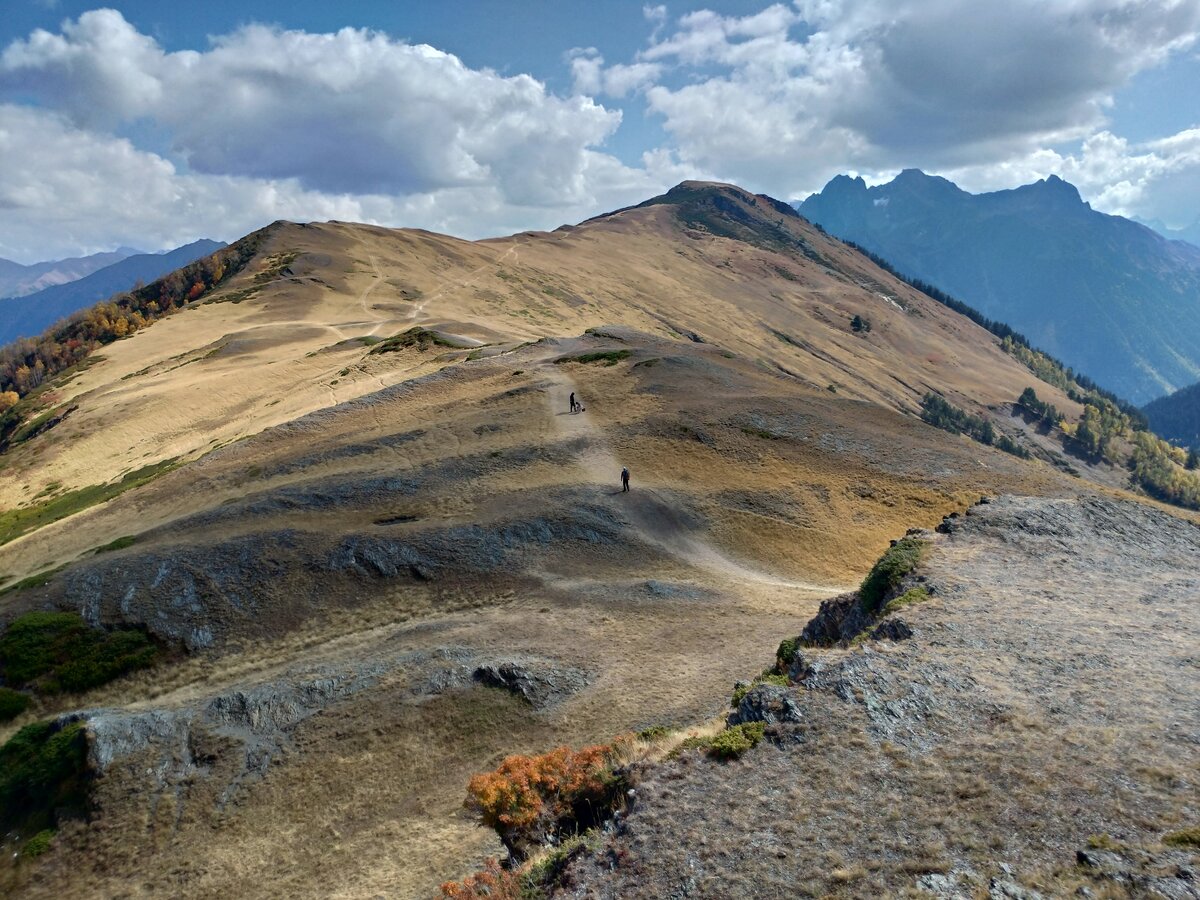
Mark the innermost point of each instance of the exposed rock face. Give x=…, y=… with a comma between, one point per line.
x=839, y=619
x=195, y=595
x=768, y=703
x=225, y=741
x=539, y=687
x=234, y=736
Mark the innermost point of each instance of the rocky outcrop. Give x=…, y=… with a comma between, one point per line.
x=838, y=619
x=197, y=594
x=770, y=703
x=539, y=686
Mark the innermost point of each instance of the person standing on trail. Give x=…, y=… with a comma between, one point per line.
x=624, y=480
x=573, y=404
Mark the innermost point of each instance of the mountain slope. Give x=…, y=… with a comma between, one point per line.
x=1110, y=297
x=380, y=553
x=30, y=314
x=16, y=279
x=1177, y=416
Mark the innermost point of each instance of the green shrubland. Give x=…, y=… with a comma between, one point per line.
x=889, y=571
x=53, y=652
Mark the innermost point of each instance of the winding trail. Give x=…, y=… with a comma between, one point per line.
x=466, y=281
x=654, y=518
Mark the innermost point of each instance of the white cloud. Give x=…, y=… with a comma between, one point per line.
x=591, y=76
x=268, y=124
x=353, y=111
x=65, y=190
x=788, y=96
x=1154, y=179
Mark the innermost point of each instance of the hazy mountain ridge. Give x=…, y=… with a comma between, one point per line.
x=31, y=314
x=18, y=279
x=1110, y=297
x=1189, y=233
x=1177, y=416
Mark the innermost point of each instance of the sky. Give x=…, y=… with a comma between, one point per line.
x=150, y=124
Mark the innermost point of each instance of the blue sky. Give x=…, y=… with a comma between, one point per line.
x=149, y=124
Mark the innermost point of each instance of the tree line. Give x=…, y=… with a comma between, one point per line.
x=27, y=363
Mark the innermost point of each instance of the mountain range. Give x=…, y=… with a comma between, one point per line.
x=303, y=540
x=29, y=315
x=1108, y=296
x=1189, y=233
x=17, y=279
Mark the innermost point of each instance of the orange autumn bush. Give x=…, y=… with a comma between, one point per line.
x=493, y=882
x=529, y=799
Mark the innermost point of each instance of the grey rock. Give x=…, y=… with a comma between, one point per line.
x=768, y=703
x=892, y=629
x=1007, y=889
x=539, y=685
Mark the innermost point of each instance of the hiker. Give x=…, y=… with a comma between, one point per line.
x=624, y=480
x=574, y=405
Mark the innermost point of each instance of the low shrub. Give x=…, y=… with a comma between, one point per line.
x=54, y=652
x=786, y=654
x=493, y=883
x=608, y=357
x=43, y=775
x=653, y=733
x=38, y=844
x=12, y=704
x=736, y=740
x=531, y=799
x=887, y=573
x=1187, y=837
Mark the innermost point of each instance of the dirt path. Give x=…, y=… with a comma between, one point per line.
x=651, y=515
x=469, y=279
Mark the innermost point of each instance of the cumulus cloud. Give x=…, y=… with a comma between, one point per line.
x=592, y=76
x=65, y=190
x=790, y=95
x=1152, y=179
x=353, y=111
x=267, y=123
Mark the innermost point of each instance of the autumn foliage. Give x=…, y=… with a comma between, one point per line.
x=493, y=882
x=27, y=363
x=530, y=798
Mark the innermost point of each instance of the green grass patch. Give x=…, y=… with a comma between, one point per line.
x=34, y=581
x=17, y=522
x=654, y=732
x=39, y=424
x=119, y=544
x=38, y=844
x=887, y=573
x=416, y=337
x=55, y=652
x=908, y=598
x=608, y=357
x=43, y=775
x=736, y=740
x=12, y=704
x=1187, y=837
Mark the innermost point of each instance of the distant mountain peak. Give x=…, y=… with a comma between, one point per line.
x=1109, y=296
x=1053, y=186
